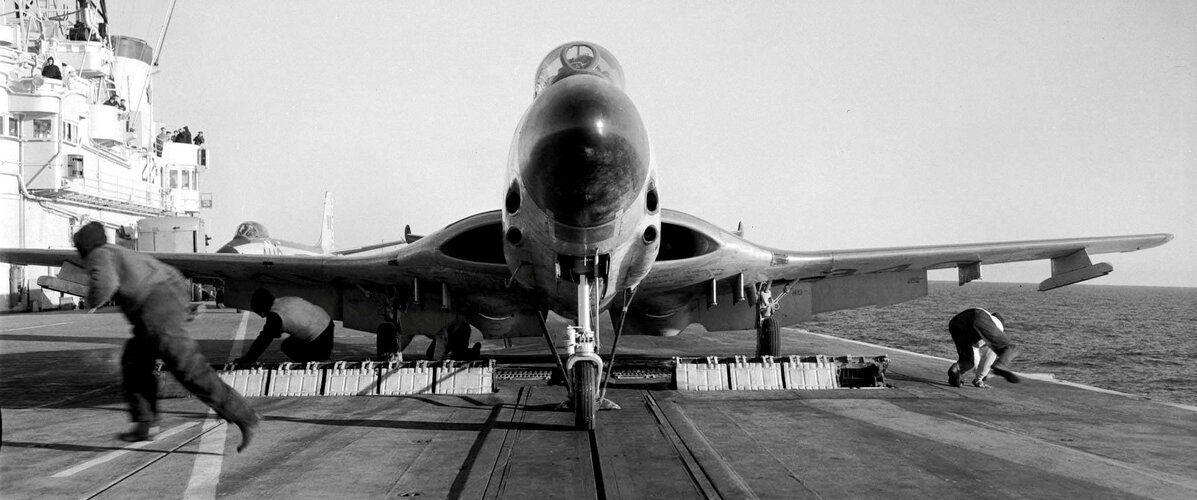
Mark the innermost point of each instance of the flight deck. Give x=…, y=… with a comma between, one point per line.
x=62, y=408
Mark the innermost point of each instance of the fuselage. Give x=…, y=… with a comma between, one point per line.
x=252, y=238
x=581, y=195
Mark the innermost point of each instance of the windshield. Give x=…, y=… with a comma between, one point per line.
x=251, y=229
x=577, y=58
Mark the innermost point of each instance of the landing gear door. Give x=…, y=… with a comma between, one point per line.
x=795, y=307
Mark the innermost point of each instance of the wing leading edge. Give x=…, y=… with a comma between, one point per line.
x=1070, y=258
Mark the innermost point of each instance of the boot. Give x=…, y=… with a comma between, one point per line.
x=141, y=431
x=247, y=431
x=954, y=375
x=1010, y=376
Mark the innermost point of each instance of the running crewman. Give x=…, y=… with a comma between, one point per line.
x=154, y=298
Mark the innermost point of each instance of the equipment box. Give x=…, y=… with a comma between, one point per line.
x=469, y=377
x=305, y=381
x=762, y=375
x=862, y=371
x=351, y=379
x=810, y=372
x=700, y=375
x=405, y=378
x=251, y=382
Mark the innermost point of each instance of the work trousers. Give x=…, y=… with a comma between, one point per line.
x=972, y=326
x=318, y=349
x=158, y=333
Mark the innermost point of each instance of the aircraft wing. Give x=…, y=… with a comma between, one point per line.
x=1067, y=255
x=448, y=256
x=708, y=275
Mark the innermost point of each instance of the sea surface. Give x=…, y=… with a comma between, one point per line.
x=1137, y=340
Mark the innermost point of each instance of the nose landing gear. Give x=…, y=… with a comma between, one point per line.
x=583, y=367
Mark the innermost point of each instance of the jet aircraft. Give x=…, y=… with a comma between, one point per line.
x=253, y=238
x=582, y=229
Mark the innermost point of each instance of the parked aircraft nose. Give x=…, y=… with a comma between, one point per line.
x=583, y=151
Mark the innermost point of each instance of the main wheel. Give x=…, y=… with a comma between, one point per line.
x=585, y=376
x=387, y=342
x=768, y=338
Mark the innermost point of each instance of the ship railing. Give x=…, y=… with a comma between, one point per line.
x=138, y=192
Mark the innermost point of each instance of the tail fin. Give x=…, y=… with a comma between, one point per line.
x=326, y=227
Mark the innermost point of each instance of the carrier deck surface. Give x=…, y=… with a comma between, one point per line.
x=62, y=409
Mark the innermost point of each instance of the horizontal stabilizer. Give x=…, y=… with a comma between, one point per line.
x=407, y=236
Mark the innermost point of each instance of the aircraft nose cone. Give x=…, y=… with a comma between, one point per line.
x=584, y=151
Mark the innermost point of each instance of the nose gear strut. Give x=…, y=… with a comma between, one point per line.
x=584, y=366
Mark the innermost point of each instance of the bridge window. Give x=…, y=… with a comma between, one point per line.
x=70, y=132
x=43, y=129
x=14, y=126
x=174, y=179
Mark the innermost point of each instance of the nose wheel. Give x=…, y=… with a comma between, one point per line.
x=583, y=367
x=585, y=397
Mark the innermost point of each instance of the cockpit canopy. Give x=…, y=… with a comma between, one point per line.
x=252, y=230
x=576, y=58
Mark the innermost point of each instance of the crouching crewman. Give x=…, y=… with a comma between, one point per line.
x=309, y=328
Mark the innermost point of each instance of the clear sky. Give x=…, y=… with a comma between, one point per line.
x=820, y=125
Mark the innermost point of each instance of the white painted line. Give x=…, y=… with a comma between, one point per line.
x=239, y=338
x=981, y=438
x=205, y=473
x=108, y=457
x=1152, y=473
x=37, y=326
x=873, y=345
x=1043, y=377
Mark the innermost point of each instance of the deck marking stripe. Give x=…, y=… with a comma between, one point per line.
x=1017, y=448
x=873, y=345
x=108, y=457
x=239, y=338
x=1162, y=476
x=1027, y=375
x=36, y=326
x=162, y=454
x=205, y=473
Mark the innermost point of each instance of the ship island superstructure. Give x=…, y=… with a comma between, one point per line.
x=79, y=143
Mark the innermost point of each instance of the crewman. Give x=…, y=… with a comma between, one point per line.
x=50, y=70
x=154, y=298
x=972, y=329
x=984, y=357
x=309, y=327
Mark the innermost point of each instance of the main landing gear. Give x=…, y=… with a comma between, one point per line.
x=768, y=333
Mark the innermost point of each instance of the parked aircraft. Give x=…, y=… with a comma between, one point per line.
x=582, y=229
x=253, y=238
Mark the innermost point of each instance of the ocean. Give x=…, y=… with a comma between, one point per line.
x=1137, y=340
